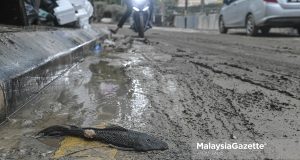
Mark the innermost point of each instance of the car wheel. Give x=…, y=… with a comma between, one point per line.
x=222, y=28
x=251, y=27
x=265, y=30
x=22, y=12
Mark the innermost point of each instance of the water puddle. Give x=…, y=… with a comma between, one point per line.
x=89, y=94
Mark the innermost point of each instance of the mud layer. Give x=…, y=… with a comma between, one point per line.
x=183, y=87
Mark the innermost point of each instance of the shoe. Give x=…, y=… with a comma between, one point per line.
x=150, y=24
x=113, y=31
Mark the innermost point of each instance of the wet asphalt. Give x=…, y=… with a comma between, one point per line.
x=183, y=86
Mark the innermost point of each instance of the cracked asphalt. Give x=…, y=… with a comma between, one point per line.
x=183, y=86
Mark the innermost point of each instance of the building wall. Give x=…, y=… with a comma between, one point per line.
x=181, y=3
x=202, y=21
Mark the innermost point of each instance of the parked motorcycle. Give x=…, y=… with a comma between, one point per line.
x=141, y=16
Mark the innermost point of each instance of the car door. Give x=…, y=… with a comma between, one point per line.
x=228, y=11
x=242, y=8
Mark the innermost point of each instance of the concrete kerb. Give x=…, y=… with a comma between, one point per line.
x=21, y=86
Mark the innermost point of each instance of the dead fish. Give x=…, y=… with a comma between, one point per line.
x=116, y=136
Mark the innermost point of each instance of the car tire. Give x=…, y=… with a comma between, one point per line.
x=265, y=30
x=222, y=28
x=251, y=27
x=22, y=14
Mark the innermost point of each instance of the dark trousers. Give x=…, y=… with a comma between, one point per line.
x=128, y=12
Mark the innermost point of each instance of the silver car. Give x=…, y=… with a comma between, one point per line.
x=259, y=15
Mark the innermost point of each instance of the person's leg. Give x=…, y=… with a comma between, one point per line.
x=125, y=16
x=151, y=9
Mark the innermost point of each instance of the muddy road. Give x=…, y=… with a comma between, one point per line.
x=183, y=87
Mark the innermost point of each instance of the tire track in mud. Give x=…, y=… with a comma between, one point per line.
x=269, y=81
x=245, y=46
x=244, y=79
x=264, y=59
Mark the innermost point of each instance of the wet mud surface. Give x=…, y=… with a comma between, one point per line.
x=182, y=87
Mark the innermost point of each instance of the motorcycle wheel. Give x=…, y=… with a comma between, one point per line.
x=141, y=28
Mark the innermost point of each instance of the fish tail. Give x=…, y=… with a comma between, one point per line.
x=59, y=130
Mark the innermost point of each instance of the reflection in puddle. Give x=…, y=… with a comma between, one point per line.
x=100, y=95
x=88, y=95
x=108, y=88
x=139, y=103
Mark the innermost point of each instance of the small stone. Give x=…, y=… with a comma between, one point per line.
x=22, y=151
x=56, y=107
x=233, y=136
x=180, y=50
x=27, y=123
x=152, y=114
x=12, y=121
x=109, y=42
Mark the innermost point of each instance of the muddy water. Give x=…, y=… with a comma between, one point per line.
x=90, y=94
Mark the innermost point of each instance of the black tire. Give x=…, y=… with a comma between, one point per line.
x=251, y=27
x=141, y=27
x=55, y=21
x=222, y=28
x=265, y=30
x=22, y=13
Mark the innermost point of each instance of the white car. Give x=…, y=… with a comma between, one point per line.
x=259, y=15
